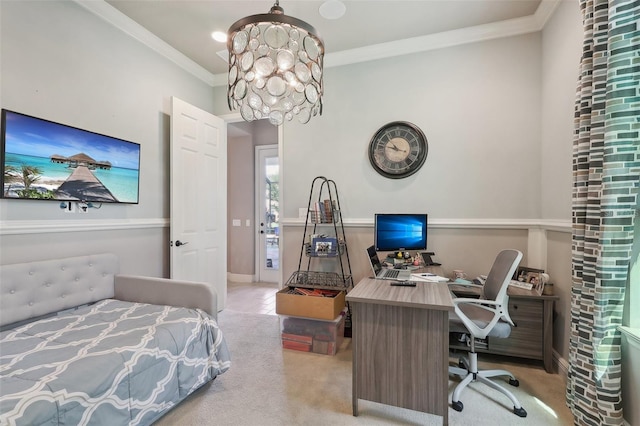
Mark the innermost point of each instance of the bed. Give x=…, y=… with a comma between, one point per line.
x=105, y=361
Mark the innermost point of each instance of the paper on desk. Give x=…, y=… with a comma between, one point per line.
x=428, y=278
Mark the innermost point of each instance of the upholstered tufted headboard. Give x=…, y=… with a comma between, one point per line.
x=33, y=289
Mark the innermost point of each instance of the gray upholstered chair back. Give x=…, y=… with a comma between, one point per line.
x=33, y=289
x=496, y=285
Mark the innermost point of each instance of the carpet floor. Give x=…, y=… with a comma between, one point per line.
x=268, y=385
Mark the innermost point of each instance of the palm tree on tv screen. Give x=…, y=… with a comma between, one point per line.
x=28, y=175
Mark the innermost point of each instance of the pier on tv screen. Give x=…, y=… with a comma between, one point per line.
x=43, y=160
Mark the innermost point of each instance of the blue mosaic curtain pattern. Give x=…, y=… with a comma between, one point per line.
x=606, y=178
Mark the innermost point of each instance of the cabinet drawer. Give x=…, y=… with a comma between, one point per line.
x=526, y=339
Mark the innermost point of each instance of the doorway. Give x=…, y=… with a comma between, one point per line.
x=267, y=213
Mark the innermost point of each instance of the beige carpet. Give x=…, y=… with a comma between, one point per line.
x=268, y=385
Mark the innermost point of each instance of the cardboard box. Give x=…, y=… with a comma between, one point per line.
x=311, y=335
x=325, y=308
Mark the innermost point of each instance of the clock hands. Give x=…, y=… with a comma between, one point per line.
x=395, y=148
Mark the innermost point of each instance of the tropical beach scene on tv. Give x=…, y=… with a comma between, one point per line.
x=47, y=160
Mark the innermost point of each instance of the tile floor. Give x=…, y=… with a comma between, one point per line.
x=257, y=298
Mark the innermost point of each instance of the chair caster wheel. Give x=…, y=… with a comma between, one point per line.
x=514, y=383
x=458, y=406
x=520, y=412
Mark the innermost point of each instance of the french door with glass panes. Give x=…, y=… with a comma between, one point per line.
x=267, y=213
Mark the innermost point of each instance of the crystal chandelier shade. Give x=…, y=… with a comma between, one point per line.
x=275, y=68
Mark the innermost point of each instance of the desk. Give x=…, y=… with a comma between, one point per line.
x=401, y=345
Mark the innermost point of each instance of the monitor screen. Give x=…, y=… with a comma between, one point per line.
x=43, y=160
x=400, y=232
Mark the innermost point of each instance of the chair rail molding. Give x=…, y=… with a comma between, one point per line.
x=554, y=225
x=18, y=227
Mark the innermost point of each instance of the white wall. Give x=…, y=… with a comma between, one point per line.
x=561, y=50
x=479, y=107
x=62, y=63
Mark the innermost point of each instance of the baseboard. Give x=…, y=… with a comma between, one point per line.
x=562, y=364
x=240, y=278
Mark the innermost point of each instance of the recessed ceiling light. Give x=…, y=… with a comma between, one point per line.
x=332, y=9
x=219, y=36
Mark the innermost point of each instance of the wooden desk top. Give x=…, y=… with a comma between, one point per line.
x=424, y=295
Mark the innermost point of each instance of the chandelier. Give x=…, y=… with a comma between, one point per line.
x=275, y=68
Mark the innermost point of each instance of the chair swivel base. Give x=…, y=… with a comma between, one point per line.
x=468, y=371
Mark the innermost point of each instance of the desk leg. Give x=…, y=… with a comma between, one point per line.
x=354, y=363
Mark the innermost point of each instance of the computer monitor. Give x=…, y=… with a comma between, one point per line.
x=400, y=231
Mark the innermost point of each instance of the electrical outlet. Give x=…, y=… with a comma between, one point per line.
x=68, y=207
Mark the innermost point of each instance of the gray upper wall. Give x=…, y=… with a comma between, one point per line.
x=62, y=63
x=498, y=116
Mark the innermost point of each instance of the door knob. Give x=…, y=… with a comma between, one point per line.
x=180, y=243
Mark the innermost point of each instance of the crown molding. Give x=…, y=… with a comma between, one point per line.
x=507, y=28
x=130, y=27
x=425, y=43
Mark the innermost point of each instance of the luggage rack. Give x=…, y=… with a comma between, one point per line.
x=324, y=241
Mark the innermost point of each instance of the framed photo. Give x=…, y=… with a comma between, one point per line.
x=532, y=276
x=324, y=246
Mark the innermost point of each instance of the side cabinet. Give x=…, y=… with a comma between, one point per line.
x=526, y=339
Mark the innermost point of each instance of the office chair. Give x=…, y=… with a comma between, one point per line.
x=487, y=316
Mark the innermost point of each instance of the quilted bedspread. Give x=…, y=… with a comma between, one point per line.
x=111, y=363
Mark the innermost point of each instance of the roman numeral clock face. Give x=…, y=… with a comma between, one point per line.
x=398, y=150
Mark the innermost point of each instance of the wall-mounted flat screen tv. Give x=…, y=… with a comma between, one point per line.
x=43, y=160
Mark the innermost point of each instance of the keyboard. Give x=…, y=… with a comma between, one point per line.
x=520, y=284
x=391, y=273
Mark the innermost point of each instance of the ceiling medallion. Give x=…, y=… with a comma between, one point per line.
x=275, y=68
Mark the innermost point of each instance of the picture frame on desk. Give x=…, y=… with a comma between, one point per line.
x=532, y=276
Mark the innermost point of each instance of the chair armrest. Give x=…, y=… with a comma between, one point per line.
x=472, y=285
x=478, y=302
x=163, y=291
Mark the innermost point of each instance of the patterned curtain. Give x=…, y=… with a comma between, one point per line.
x=606, y=178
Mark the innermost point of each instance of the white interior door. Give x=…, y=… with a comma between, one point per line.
x=198, y=185
x=267, y=213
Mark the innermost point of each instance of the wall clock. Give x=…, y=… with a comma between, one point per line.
x=398, y=149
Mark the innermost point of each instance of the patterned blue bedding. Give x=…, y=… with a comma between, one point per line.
x=112, y=363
